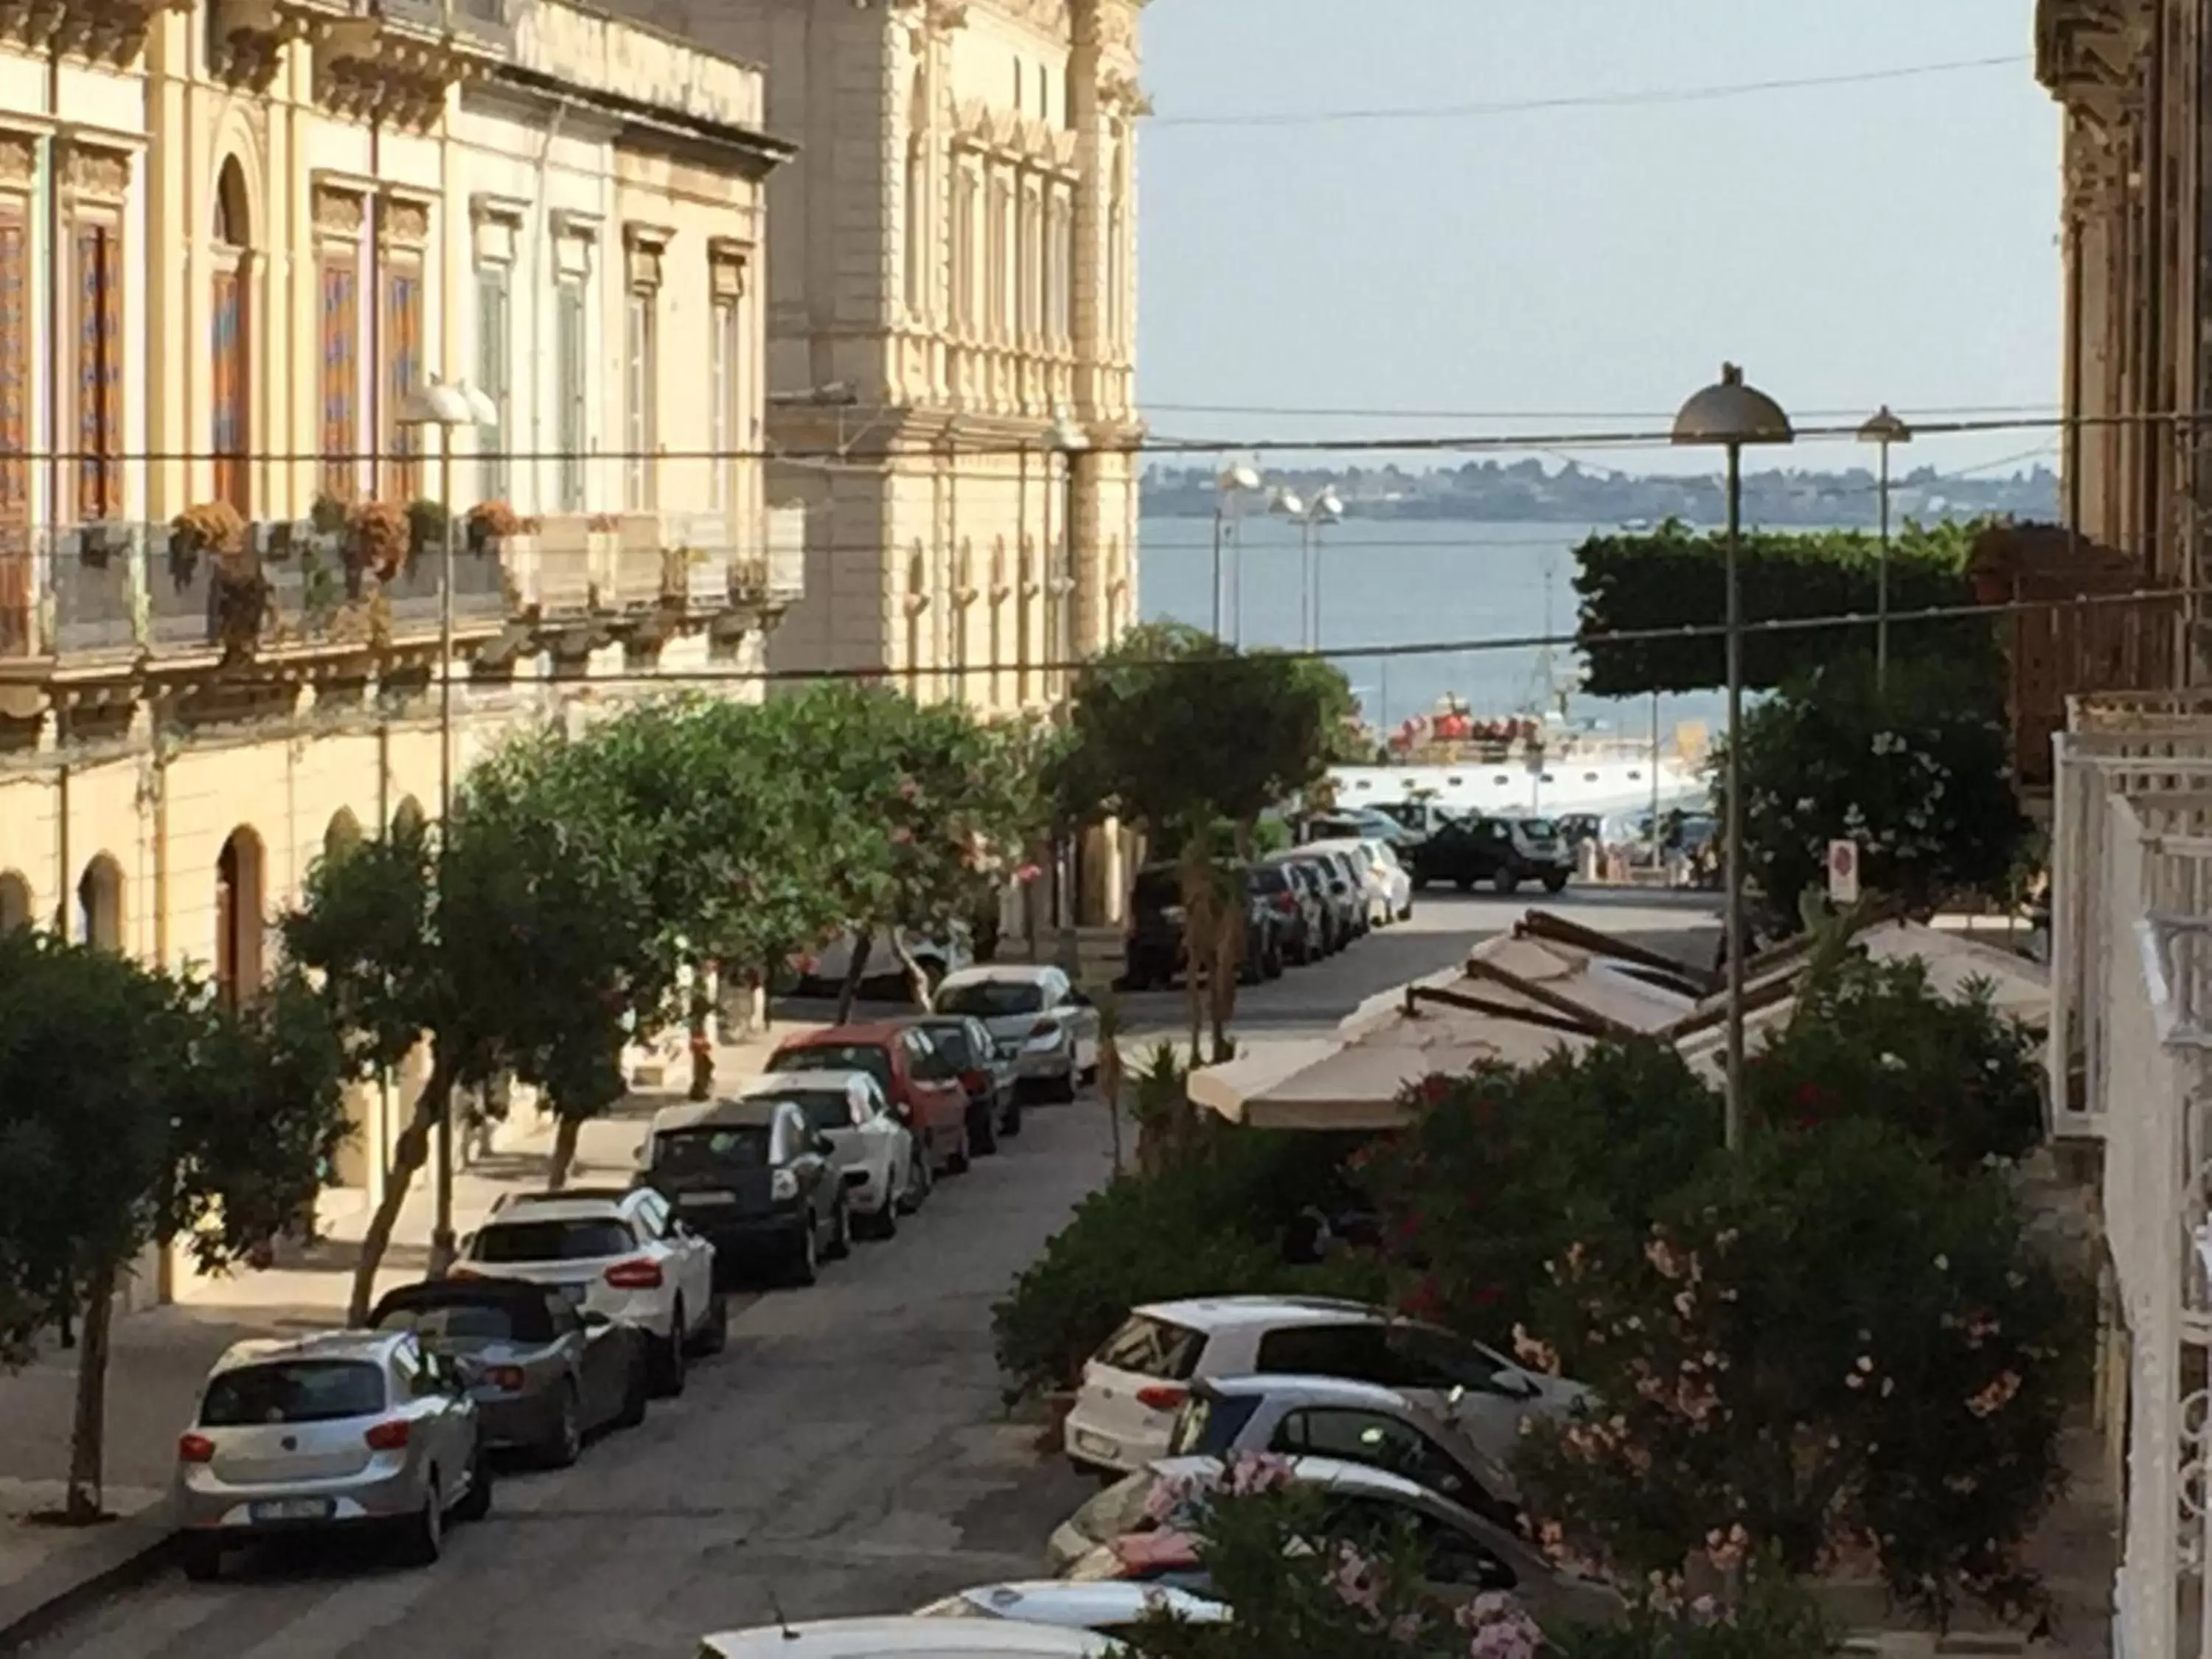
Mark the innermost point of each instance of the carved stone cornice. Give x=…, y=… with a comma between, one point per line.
x=1120, y=92
x=398, y=65
x=19, y=158
x=95, y=171
x=928, y=20
x=2093, y=55
x=1009, y=136
x=110, y=32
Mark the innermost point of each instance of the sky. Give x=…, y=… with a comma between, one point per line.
x=1586, y=268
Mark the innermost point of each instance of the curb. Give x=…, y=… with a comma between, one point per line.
x=133, y=1549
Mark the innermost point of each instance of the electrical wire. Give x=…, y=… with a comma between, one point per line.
x=1656, y=96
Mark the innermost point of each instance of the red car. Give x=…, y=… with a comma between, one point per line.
x=922, y=1088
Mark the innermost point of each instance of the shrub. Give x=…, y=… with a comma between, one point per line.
x=1827, y=1346
x=1504, y=1168
x=1919, y=775
x=1773, y=1617
x=1212, y=1225
x=1875, y=1039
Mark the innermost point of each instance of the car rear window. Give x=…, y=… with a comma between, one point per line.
x=1154, y=1347
x=869, y=1057
x=554, y=1241
x=951, y=1044
x=1271, y=878
x=705, y=1151
x=509, y=1319
x=1210, y=1424
x=1539, y=829
x=825, y=1109
x=993, y=998
x=294, y=1391
x=1120, y=1509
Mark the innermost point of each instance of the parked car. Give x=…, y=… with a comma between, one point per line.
x=544, y=1374
x=1356, y=1423
x=1299, y=913
x=897, y=1638
x=987, y=1070
x=907, y=1066
x=1153, y=942
x=1317, y=876
x=1462, y=1554
x=757, y=1178
x=1120, y=1507
x=876, y=1156
x=1341, y=885
x=1420, y=818
x=1389, y=888
x=1052, y=1025
x=821, y=973
x=622, y=1254
x=1502, y=851
x=340, y=1431
x=1133, y=1388
x=1111, y=1609
x=1357, y=823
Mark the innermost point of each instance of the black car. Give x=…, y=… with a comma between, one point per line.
x=1155, y=946
x=1331, y=895
x=1300, y=915
x=757, y=1180
x=1503, y=852
x=986, y=1073
x=544, y=1375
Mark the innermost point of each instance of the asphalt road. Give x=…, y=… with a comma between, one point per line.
x=848, y=1454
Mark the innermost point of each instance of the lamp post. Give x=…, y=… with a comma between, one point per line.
x=1230, y=490
x=1327, y=507
x=1730, y=415
x=1067, y=441
x=448, y=406
x=1884, y=428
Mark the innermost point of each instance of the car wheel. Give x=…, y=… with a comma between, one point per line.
x=423, y=1540
x=883, y=1221
x=1465, y=884
x=918, y=1180
x=1556, y=884
x=637, y=1391
x=1271, y=964
x=668, y=1356
x=958, y=1163
x=201, y=1558
x=1062, y=1088
x=840, y=1233
x=564, y=1443
x=477, y=1504
x=806, y=1260
x=1505, y=881
x=982, y=1133
x=715, y=1335
x=1010, y=1125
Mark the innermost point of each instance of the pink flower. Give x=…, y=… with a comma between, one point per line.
x=1994, y=1398
x=1536, y=1354
x=1253, y=1472
x=1027, y=873
x=1357, y=1581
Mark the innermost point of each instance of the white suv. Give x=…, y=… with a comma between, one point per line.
x=623, y=1256
x=1134, y=1385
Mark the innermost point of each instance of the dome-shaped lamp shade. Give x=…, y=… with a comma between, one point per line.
x=1883, y=426
x=1730, y=412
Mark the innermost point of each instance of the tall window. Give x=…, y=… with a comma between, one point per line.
x=641, y=379
x=341, y=376
x=495, y=324
x=16, y=593
x=999, y=323
x=917, y=228
x=99, y=370
x=232, y=343
x=722, y=433
x=964, y=252
x=402, y=372
x=1026, y=266
x=570, y=371
x=1060, y=281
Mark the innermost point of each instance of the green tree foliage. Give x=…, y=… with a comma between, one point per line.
x=1826, y=1346
x=1504, y=1168
x=135, y=1109
x=1919, y=774
x=1675, y=579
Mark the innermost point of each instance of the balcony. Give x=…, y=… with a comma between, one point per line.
x=395, y=60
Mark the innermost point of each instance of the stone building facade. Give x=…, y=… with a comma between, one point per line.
x=954, y=274
x=235, y=236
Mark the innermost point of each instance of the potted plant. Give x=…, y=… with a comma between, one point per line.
x=426, y=526
x=377, y=540
x=489, y=522
x=212, y=528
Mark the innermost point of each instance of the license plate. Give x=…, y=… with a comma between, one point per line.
x=573, y=1294
x=707, y=1200
x=1098, y=1445
x=290, y=1508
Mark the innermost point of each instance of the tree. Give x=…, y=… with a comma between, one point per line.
x=136, y=1108
x=1675, y=579
x=1919, y=774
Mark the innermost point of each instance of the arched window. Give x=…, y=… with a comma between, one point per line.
x=14, y=902
x=997, y=633
x=343, y=833
x=232, y=341
x=241, y=916
x=1024, y=590
x=100, y=904
x=964, y=251
x=408, y=817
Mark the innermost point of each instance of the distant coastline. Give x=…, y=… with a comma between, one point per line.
x=1525, y=493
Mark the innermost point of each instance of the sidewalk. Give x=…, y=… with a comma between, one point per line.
x=159, y=1358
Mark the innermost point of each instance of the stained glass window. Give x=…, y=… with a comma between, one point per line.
x=16, y=596
x=98, y=372
x=230, y=353
x=403, y=362
x=341, y=378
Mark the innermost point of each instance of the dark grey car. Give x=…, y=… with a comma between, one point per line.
x=543, y=1376
x=757, y=1180
x=987, y=1070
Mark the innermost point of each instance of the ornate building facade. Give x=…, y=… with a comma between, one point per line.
x=235, y=237
x=951, y=329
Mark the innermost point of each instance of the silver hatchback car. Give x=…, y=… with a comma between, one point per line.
x=356, y=1429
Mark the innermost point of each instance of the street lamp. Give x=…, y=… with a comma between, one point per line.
x=1729, y=415
x=448, y=406
x=1230, y=490
x=1327, y=507
x=1884, y=428
x=1067, y=441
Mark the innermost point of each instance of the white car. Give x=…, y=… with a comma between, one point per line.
x=1133, y=1388
x=1035, y=1015
x=1111, y=1609
x=823, y=973
x=896, y=1637
x=849, y=1108
x=1389, y=887
x=624, y=1254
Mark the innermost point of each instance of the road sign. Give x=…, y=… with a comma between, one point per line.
x=1844, y=871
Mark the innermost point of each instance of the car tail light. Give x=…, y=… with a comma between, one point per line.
x=975, y=1079
x=508, y=1377
x=388, y=1436
x=635, y=1275
x=195, y=1448
x=1287, y=903
x=1162, y=1396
